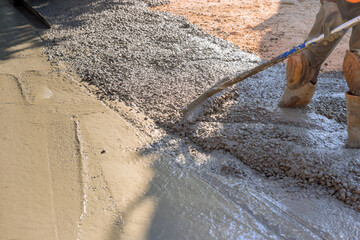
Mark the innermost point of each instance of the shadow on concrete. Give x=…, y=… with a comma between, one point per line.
x=186, y=206
x=18, y=24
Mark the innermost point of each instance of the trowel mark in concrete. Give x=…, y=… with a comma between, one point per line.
x=84, y=174
x=99, y=208
x=32, y=92
x=11, y=89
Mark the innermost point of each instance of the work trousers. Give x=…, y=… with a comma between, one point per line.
x=318, y=53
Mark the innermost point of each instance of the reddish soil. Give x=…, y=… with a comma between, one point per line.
x=267, y=28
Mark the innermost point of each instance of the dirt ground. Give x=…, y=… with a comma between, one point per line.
x=267, y=28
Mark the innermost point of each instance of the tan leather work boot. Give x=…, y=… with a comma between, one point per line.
x=301, y=82
x=351, y=69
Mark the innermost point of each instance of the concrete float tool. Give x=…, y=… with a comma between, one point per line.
x=192, y=110
x=31, y=10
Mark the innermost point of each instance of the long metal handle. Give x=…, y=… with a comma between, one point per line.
x=227, y=81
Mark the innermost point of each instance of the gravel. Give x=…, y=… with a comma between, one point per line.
x=159, y=62
x=154, y=3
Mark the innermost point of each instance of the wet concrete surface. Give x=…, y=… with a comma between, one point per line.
x=158, y=63
x=111, y=180
x=244, y=204
x=306, y=144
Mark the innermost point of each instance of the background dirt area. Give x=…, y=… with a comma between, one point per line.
x=267, y=28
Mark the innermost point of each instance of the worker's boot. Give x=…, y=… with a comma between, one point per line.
x=301, y=82
x=352, y=75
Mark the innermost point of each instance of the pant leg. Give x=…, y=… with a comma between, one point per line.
x=318, y=53
x=355, y=40
x=349, y=11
